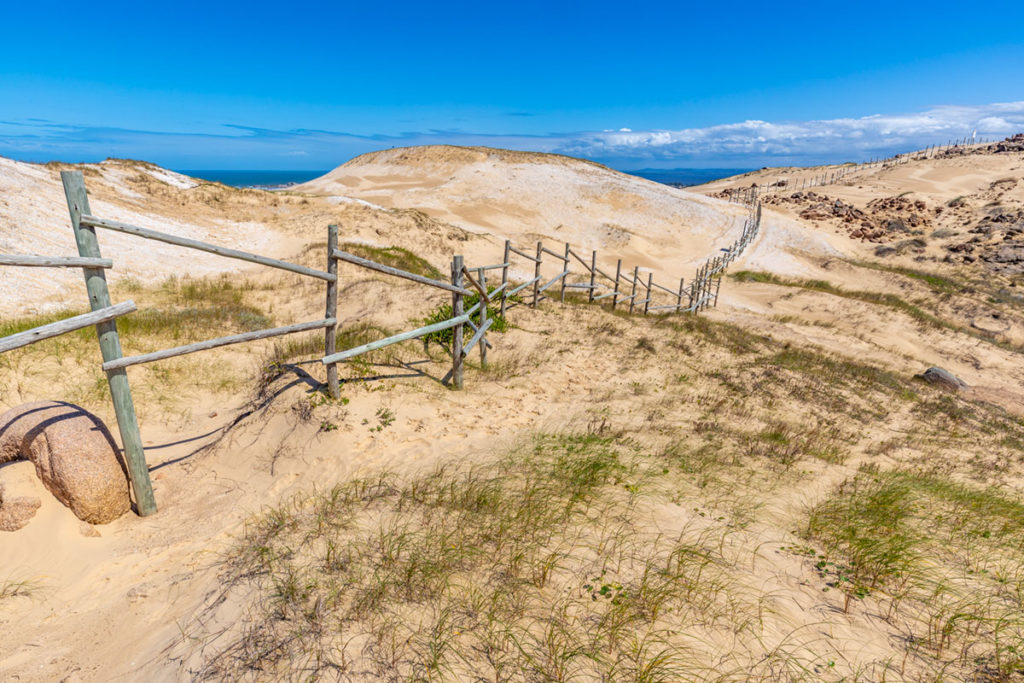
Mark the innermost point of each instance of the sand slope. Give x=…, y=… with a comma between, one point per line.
x=526, y=197
x=34, y=220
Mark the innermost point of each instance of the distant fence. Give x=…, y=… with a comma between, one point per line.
x=754, y=193
x=701, y=292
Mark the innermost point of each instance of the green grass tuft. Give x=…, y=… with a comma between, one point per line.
x=396, y=257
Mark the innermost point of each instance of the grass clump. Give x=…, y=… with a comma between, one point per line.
x=939, y=284
x=396, y=257
x=445, y=312
x=733, y=338
x=18, y=588
x=951, y=554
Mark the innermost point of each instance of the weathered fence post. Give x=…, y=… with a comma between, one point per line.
x=679, y=297
x=504, y=275
x=632, y=297
x=615, y=297
x=110, y=345
x=565, y=278
x=694, y=287
x=718, y=287
x=536, y=275
x=457, y=309
x=483, y=319
x=593, y=274
x=650, y=281
x=330, y=332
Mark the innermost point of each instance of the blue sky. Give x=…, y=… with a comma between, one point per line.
x=640, y=85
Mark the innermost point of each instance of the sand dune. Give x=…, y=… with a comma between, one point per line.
x=526, y=197
x=34, y=220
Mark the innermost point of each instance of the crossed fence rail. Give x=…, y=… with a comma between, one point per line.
x=465, y=281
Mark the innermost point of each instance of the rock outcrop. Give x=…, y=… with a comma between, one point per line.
x=74, y=455
x=943, y=378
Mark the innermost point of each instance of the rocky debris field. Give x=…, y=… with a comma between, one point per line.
x=882, y=220
x=994, y=235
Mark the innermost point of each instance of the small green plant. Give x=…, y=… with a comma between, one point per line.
x=444, y=312
x=598, y=589
x=385, y=418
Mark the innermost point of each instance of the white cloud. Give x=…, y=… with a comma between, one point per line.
x=745, y=144
x=801, y=139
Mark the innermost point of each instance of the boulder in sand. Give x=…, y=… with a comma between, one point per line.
x=74, y=455
x=943, y=378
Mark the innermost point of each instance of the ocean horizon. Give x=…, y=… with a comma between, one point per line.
x=269, y=178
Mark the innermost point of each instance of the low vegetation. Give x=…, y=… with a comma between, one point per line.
x=396, y=257
x=538, y=566
x=891, y=301
x=943, y=560
x=12, y=588
x=642, y=553
x=446, y=312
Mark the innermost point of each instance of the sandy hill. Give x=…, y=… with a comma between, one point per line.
x=529, y=196
x=34, y=220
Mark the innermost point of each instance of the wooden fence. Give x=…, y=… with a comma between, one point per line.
x=754, y=193
x=465, y=281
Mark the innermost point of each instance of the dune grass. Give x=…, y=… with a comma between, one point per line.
x=538, y=566
x=396, y=257
x=12, y=588
x=174, y=312
x=891, y=301
x=181, y=310
x=945, y=558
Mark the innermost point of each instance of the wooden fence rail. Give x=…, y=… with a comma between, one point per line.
x=33, y=261
x=92, y=221
x=215, y=343
x=55, y=329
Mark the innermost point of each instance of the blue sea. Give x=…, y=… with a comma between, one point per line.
x=687, y=176
x=265, y=179
x=278, y=179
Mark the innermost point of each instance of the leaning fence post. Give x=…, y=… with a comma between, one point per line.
x=650, y=281
x=330, y=333
x=565, y=277
x=504, y=275
x=536, y=274
x=693, y=289
x=457, y=309
x=679, y=297
x=615, y=297
x=593, y=274
x=632, y=298
x=110, y=345
x=483, y=318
